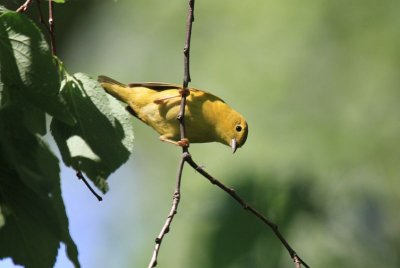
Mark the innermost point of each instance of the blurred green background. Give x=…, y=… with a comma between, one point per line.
x=319, y=84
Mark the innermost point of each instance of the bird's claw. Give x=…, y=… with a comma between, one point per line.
x=183, y=143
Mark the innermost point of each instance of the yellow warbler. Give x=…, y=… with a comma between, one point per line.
x=207, y=117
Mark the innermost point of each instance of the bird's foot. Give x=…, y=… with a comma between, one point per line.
x=183, y=143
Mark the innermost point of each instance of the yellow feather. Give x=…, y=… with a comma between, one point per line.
x=207, y=117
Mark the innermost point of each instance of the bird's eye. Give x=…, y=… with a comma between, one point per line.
x=238, y=128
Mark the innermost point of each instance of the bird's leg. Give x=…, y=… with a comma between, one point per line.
x=180, y=143
x=164, y=139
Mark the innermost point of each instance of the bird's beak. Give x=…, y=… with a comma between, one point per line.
x=234, y=145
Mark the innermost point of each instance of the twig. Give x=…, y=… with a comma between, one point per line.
x=186, y=157
x=174, y=209
x=298, y=262
x=51, y=28
x=185, y=151
x=296, y=259
x=81, y=177
x=24, y=6
x=186, y=75
x=186, y=49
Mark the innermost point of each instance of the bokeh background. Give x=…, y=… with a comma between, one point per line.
x=319, y=83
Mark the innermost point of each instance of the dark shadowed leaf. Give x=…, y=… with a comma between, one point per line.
x=102, y=138
x=27, y=68
x=33, y=215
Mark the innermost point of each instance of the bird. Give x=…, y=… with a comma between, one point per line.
x=207, y=117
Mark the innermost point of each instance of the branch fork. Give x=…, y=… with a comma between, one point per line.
x=187, y=158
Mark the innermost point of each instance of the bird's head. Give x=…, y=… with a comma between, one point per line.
x=239, y=135
x=235, y=131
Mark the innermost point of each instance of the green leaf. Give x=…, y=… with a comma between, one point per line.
x=33, y=226
x=30, y=235
x=33, y=217
x=102, y=139
x=30, y=116
x=3, y=10
x=21, y=150
x=27, y=67
x=33, y=220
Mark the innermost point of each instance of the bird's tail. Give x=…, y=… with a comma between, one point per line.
x=115, y=88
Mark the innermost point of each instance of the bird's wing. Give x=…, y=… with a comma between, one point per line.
x=161, y=86
x=109, y=80
x=158, y=86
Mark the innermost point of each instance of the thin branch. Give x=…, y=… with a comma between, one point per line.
x=186, y=157
x=24, y=6
x=174, y=209
x=51, y=28
x=186, y=49
x=185, y=144
x=186, y=74
x=81, y=177
x=296, y=259
x=298, y=262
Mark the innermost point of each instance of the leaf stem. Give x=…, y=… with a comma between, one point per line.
x=81, y=177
